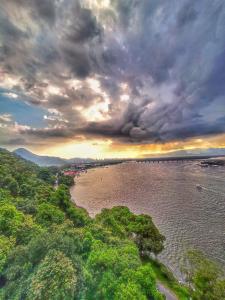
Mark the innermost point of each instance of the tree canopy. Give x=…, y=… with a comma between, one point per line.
x=206, y=277
x=51, y=249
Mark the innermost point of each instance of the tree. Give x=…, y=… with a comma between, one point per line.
x=44, y=193
x=46, y=175
x=10, y=220
x=13, y=187
x=61, y=197
x=6, y=244
x=47, y=214
x=49, y=247
x=67, y=180
x=205, y=277
x=26, y=205
x=138, y=227
x=5, y=197
x=78, y=216
x=116, y=273
x=105, y=265
x=55, y=278
x=26, y=190
x=27, y=230
x=144, y=282
x=129, y=291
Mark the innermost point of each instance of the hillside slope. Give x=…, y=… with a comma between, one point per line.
x=39, y=159
x=43, y=160
x=42, y=232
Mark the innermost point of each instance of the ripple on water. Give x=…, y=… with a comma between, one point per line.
x=187, y=216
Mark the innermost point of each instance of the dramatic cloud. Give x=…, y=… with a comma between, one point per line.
x=128, y=70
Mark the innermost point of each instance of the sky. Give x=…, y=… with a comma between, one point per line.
x=112, y=78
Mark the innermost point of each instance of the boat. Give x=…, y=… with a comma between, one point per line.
x=198, y=187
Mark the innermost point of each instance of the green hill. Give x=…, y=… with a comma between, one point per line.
x=51, y=249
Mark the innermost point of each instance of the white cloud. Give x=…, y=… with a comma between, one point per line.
x=5, y=118
x=11, y=95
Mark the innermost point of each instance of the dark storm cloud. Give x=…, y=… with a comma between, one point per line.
x=48, y=132
x=8, y=30
x=60, y=101
x=187, y=14
x=17, y=141
x=78, y=60
x=180, y=47
x=167, y=58
x=85, y=28
x=44, y=9
x=47, y=50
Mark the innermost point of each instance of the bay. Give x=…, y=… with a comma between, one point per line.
x=186, y=202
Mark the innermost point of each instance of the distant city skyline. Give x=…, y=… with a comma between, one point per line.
x=112, y=78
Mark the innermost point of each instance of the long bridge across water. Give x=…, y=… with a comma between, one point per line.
x=171, y=159
x=174, y=159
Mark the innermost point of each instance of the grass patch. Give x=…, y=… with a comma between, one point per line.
x=166, y=277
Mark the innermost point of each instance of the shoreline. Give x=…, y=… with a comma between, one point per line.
x=165, y=277
x=74, y=185
x=92, y=216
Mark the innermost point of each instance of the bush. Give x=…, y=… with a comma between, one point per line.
x=47, y=214
x=10, y=220
x=55, y=278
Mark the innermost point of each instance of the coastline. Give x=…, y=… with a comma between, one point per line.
x=166, y=279
x=74, y=186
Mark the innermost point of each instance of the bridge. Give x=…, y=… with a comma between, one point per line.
x=175, y=159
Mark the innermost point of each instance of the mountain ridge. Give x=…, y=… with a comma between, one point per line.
x=45, y=160
x=191, y=152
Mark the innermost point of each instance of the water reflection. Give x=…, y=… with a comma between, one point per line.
x=187, y=215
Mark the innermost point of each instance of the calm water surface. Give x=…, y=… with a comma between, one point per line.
x=189, y=216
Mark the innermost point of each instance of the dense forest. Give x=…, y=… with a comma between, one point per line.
x=51, y=249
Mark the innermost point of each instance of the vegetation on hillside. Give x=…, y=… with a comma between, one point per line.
x=205, y=277
x=50, y=249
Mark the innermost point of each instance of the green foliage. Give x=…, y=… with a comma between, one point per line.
x=51, y=249
x=26, y=190
x=61, y=197
x=26, y=205
x=11, y=220
x=166, y=277
x=138, y=284
x=78, y=216
x=106, y=265
x=55, y=278
x=5, y=197
x=66, y=180
x=129, y=291
x=139, y=227
x=205, y=276
x=13, y=186
x=46, y=175
x=47, y=214
x=44, y=192
x=113, y=268
x=27, y=230
x=6, y=244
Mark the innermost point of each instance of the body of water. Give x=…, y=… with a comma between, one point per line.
x=186, y=202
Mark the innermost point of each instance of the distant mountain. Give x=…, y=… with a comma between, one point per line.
x=43, y=160
x=78, y=160
x=39, y=159
x=200, y=152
